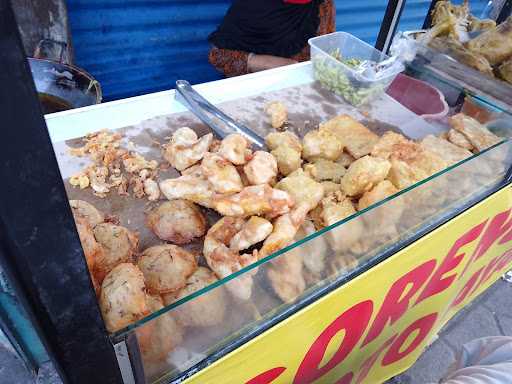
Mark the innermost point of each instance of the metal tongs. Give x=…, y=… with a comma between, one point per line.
x=217, y=120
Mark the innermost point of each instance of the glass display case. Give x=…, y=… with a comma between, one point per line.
x=181, y=331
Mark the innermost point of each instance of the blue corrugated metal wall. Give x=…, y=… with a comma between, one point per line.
x=135, y=47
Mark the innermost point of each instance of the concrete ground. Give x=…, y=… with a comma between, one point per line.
x=489, y=315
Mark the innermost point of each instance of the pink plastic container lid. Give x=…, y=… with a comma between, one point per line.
x=418, y=96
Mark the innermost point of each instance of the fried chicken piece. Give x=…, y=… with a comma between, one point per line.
x=166, y=268
x=119, y=245
x=477, y=134
x=495, y=44
x=261, y=169
x=178, y=221
x=223, y=261
x=221, y=174
x=287, y=149
x=278, y=114
x=505, y=71
x=205, y=310
x=449, y=152
x=123, y=297
x=322, y=144
x=235, y=148
x=450, y=20
x=185, y=149
x=302, y=188
x=285, y=276
x=322, y=170
x=254, y=230
x=363, y=174
x=345, y=159
x=357, y=139
x=160, y=336
x=254, y=200
x=457, y=138
x=87, y=211
x=193, y=187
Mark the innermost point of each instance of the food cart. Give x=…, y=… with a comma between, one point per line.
x=386, y=285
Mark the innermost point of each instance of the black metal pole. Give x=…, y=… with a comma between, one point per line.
x=39, y=237
x=389, y=24
x=428, y=17
x=505, y=11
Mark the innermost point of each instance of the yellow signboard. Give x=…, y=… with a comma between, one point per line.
x=377, y=325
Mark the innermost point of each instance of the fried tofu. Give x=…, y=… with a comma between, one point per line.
x=449, y=152
x=358, y=139
x=476, y=133
x=363, y=174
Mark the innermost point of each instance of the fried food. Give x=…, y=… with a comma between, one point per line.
x=87, y=211
x=205, y=310
x=166, y=268
x=287, y=149
x=345, y=159
x=278, y=114
x=391, y=142
x=193, y=187
x=449, y=152
x=151, y=189
x=322, y=170
x=477, y=134
x=178, y=221
x=505, y=71
x=314, y=252
x=123, y=297
x=185, y=148
x=459, y=52
x=119, y=245
x=288, y=159
x=330, y=187
x=322, y=144
x=302, y=188
x=378, y=193
x=357, y=139
x=494, y=44
x=285, y=275
x=384, y=216
x=457, y=138
x=235, y=148
x=221, y=174
x=254, y=230
x=223, y=261
x=289, y=139
x=450, y=20
x=363, y=174
x=92, y=250
x=160, y=336
x=334, y=208
x=254, y=200
x=261, y=169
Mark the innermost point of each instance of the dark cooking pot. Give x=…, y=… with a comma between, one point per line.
x=63, y=86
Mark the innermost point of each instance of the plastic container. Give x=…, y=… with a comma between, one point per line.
x=339, y=77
